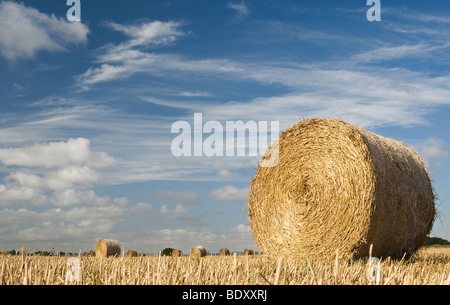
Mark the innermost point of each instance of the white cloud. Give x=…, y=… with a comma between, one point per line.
x=24, y=31
x=432, y=148
x=27, y=226
x=396, y=52
x=102, y=74
x=153, y=33
x=230, y=193
x=240, y=8
x=367, y=96
x=241, y=228
x=56, y=154
x=195, y=94
x=224, y=173
x=59, y=173
x=178, y=210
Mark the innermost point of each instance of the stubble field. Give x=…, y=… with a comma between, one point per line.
x=428, y=266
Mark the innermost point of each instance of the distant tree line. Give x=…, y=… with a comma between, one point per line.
x=436, y=241
x=47, y=253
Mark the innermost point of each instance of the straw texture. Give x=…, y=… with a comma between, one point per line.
x=107, y=247
x=198, y=251
x=340, y=187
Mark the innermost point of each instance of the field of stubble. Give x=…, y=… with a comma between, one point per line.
x=428, y=266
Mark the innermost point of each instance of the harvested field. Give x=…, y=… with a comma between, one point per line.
x=218, y=270
x=435, y=251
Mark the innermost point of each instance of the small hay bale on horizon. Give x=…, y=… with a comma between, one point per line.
x=224, y=252
x=249, y=252
x=198, y=251
x=132, y=253
x=176, y=252
x=107, y=247
x=338, y=188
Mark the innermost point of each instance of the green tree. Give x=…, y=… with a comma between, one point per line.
x=166, y=252
x=435, y=241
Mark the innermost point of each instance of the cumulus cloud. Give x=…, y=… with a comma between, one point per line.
x=59, y=173
x=56, y=154
x=48, y=195
x=24, y=31
x=230, y=193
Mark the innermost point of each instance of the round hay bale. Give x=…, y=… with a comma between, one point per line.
x=249, y=252
x=338, y=187
x=176, y=252
x=224, y=252
x=132, y=253
x=107, y=247
x=198, y=251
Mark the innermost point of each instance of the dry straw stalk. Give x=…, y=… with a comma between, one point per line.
x=339, y=187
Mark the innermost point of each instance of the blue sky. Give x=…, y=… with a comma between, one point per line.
x=87, y=108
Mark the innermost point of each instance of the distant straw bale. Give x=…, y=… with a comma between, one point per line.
x=198, y=251
x=224, y=252
x=107, y=247
x=176, y=252
x=249, y=252
x=338, y=188
x=132, y=253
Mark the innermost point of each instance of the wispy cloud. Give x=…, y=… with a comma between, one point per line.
x=24, y=31
x=397, y=52
x=240, y=8
x=150, y=34
x=195, y=94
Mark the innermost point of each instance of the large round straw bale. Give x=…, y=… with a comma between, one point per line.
x=198, y=251
x=224, y=252
x=107, y=247
x=338, y=188
x=176, y=252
